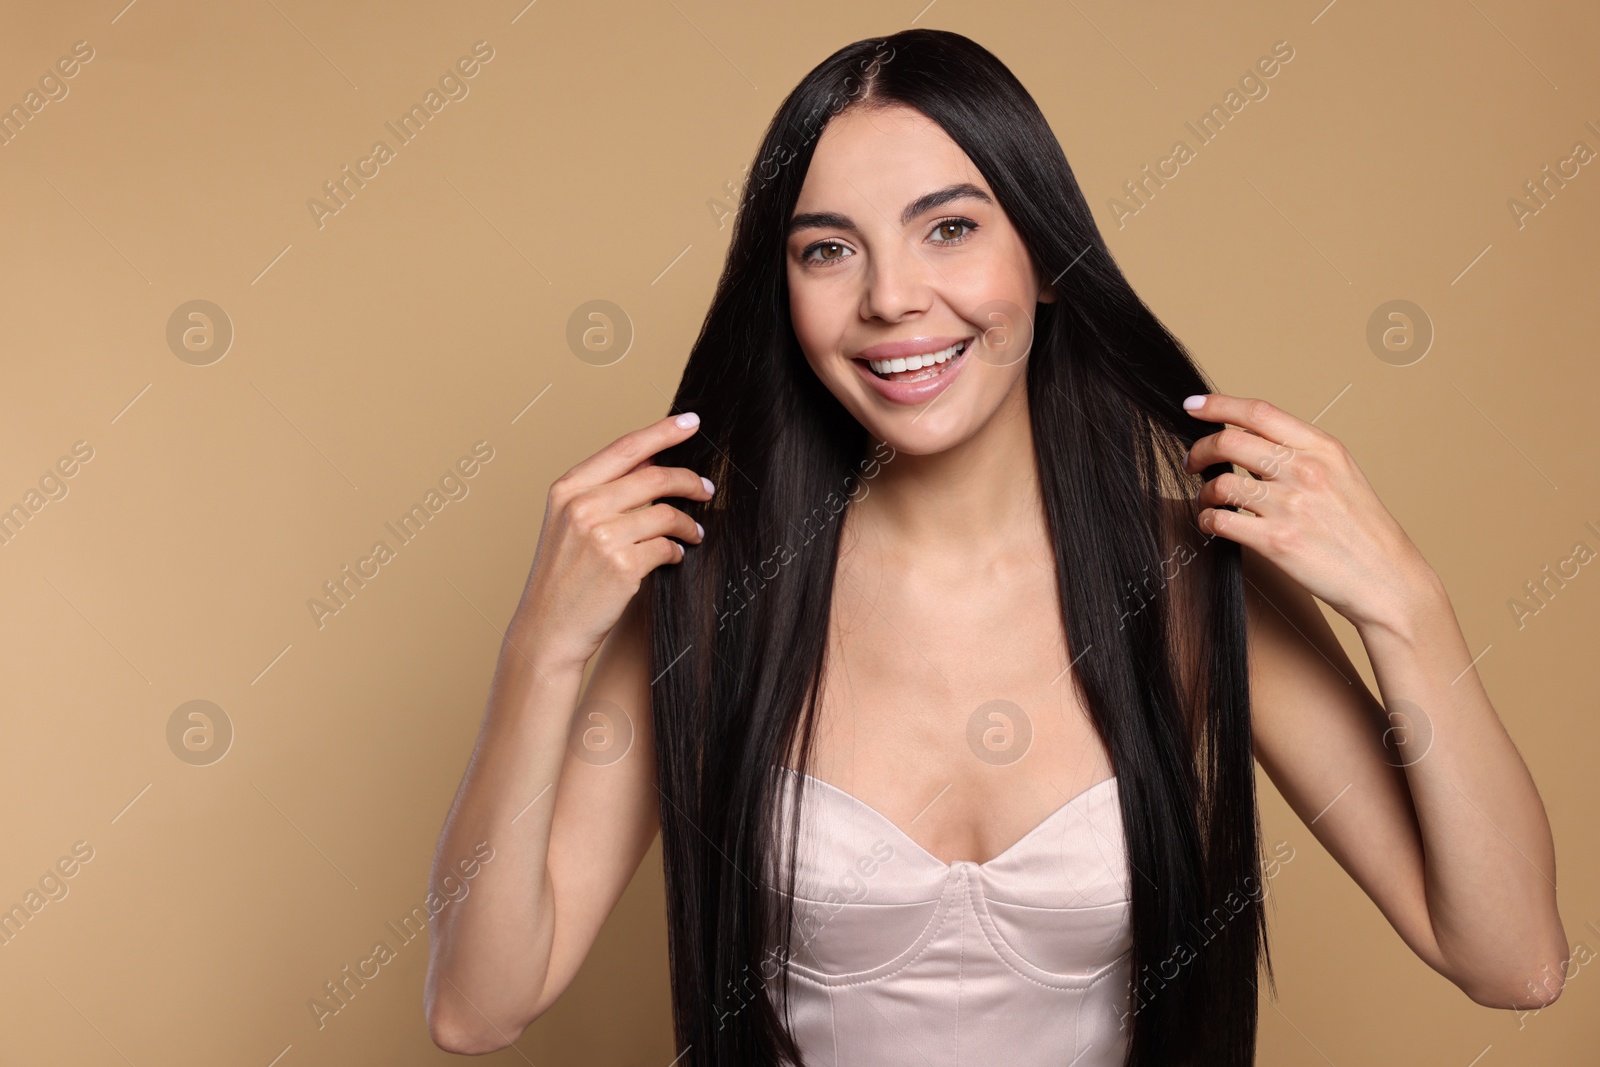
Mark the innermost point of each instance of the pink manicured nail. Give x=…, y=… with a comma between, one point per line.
x=1193, y=403
x=687, y=419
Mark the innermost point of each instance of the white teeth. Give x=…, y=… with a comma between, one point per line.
x=890, y=366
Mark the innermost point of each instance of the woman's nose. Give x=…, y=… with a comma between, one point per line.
x=899, y=282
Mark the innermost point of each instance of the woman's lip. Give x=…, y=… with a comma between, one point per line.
x=916, y=346
x=916, y=392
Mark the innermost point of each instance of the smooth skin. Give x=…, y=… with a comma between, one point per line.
x=1434, y=814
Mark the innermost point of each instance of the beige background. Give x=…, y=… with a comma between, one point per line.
x=429, y=313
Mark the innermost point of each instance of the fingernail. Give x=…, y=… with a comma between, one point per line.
x=701, y=530
x=707, y=483
x=1193, y=403
x=687, y=419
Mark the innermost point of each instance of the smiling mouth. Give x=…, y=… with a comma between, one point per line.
x=918, y=368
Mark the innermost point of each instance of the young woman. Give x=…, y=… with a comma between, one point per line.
x=937, y=633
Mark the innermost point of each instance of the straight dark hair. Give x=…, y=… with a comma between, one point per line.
x=739, y=628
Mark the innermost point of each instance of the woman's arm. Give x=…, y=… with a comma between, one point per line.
x=564, y=793
x=1425, y=800
x=568, y=832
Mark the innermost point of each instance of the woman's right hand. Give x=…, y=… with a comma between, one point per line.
x=602, y=533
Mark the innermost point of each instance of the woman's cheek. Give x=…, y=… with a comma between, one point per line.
x=807, y=317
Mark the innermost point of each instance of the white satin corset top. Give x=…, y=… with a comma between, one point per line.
x=897, y=957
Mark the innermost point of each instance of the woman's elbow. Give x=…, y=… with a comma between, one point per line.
x=467, y=1032
x=1519, y=989
x=453, y=1034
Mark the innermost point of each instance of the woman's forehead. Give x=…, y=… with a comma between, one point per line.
x=884, y=157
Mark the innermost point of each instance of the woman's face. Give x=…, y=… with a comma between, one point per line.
x=899, y=250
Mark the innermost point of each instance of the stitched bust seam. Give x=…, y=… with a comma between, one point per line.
x=869, y=903
x=1040, y=907
x=944, y=920
x=1109, y=970
x=1004, y=950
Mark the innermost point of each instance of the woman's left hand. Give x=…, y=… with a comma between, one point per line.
x=1312, y=512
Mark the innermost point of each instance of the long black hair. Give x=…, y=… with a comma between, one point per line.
x=739, y=627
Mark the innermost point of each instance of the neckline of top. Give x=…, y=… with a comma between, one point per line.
x=986, y=864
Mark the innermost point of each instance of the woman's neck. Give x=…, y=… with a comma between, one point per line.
x=975, y=497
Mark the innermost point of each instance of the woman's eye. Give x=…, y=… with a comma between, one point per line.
x=822, y=246
x=945, y=232
x=944, y=226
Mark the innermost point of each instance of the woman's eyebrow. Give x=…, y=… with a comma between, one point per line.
x=833, y=220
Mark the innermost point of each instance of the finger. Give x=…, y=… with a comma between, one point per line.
x=1235, y=490
x=1247, y=530
x=1258, y=416
x=660, y=550
x=1234, y=445
x=657, y=520
x=648, y=484
x=632, y=450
